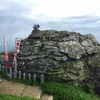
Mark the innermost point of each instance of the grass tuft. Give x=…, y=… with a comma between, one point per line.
x=13, y=97
x=66, y=92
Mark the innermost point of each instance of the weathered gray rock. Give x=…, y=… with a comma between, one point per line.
x=74, y=49
x=60, y=55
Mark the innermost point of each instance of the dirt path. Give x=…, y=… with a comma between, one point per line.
x=19, y=89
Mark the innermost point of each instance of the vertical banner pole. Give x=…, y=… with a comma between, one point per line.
x=6, y=54
x=10, y=72
x=15, y=68
x=17, y=44
x=15, y=60
x=6, y=70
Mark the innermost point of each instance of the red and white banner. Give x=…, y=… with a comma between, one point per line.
x=5, y=49
x=18, y=41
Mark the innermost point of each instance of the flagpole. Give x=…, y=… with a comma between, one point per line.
x=17, y=44
x=15, y=64
x=6, y=53
x=15, y=69
x=6, y=66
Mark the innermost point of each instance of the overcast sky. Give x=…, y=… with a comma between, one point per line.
x=17, y=17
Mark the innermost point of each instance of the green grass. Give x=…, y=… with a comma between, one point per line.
x=62, y=91
x=3, y=75
x=26, y=81
x=13, y=97
x=66, y=92
x=1, y=54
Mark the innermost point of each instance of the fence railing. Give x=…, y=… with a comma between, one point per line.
x=21, y=75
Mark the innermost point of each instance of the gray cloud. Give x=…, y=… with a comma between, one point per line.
x=14, y=22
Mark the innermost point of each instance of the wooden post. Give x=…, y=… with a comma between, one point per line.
x=10, y=72
x=15, y=71
x=3, y=69
x=34, y=77
x=19, y=74
x=6, y=70
x=42, y=78
x=29, y=77
x=0, y=67
x=24, y=76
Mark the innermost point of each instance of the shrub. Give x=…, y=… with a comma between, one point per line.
x=66, y=92
x=86, y=87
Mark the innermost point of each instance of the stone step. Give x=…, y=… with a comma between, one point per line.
x=32, y=92
x=47, y=97
x=9, y=87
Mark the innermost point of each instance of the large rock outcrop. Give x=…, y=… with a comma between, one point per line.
x=61, y=55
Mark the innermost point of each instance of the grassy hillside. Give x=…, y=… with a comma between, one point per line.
x=60, y=91
x=12, y=97
x=66, y=92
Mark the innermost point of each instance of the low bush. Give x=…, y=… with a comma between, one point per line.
x=86, y=87
x=66, y=92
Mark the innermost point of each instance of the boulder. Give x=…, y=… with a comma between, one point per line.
x=61, y=56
